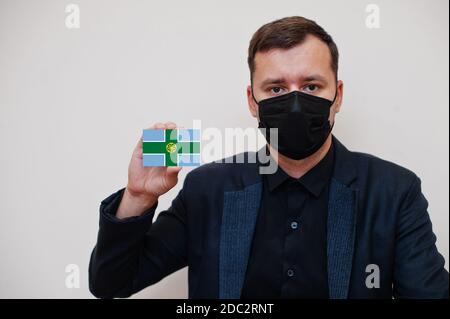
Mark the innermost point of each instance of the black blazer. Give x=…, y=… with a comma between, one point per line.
x=377, y=215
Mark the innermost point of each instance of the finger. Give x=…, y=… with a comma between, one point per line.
x=174, y=170
x=139, y=144
x=159, y=126
x=137, y=152
x=152, y=127
x=170, y=125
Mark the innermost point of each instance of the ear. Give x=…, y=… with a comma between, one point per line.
x=339, y=97
x=252, y=106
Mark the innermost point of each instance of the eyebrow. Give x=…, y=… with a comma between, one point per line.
x=313, y=77
x=272, y=81
x=316, y=77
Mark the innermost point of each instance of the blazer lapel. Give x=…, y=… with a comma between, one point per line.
x=240, y=211
x=341, y=225
x=340, y=238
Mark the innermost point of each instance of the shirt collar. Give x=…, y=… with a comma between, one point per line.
x=314, y=180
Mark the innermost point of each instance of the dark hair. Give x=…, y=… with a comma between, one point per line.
x=286, y=33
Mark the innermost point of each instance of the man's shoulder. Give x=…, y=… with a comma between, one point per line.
x=383, y=170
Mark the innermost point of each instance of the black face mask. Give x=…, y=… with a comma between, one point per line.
x=301, y=120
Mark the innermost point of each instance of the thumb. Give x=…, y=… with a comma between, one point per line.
x=173, y=170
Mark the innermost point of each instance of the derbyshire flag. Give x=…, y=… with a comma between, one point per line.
x=176, y=147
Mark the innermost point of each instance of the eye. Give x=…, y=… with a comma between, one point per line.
x=276, y=90
x=311, y=88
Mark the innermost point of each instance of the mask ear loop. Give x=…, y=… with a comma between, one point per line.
x=251, y=87
x=334, y=100
x=335, y=96
x=267, y=131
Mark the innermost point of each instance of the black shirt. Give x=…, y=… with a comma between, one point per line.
x=288, y=258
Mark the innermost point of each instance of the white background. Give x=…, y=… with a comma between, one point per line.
x=73, y=103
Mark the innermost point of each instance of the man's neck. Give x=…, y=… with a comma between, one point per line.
x=298, y=168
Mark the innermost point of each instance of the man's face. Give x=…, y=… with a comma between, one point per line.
x=305, y=67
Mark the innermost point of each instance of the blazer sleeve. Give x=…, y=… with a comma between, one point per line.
x=418, y=267
x=134, y=253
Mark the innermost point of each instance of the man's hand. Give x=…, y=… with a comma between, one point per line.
x=146, y=184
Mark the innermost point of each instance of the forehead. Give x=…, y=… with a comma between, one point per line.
x=311, y=56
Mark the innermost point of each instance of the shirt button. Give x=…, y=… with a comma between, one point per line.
x=290, y=272
x=294, y=225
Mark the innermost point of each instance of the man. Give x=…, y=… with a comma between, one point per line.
x=329, y=223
